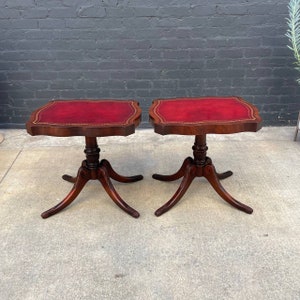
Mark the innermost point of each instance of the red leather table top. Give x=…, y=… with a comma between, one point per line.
x=85, y=117
x=204, y=115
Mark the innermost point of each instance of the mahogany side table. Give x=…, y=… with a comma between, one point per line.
x=91, y=119
x=201, y=116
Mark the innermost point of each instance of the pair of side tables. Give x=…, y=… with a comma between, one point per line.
x=182, y=116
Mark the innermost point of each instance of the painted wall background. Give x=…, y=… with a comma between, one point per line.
x=142, y=50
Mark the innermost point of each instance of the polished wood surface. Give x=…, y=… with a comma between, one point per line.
x=92, y=168
x=201, y=165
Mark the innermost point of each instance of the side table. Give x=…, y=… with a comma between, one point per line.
x=201, y=116
x=91, y=119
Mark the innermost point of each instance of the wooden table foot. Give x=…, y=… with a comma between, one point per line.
x=200, y=166
x=109, y=188
x=180, y=173
x=211, y=175
x=112, y=174
x=190, y=174
x=80, y=181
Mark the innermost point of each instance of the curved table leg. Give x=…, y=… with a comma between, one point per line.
x=224, y=175
x=69, y=178
x=103, y=177
x=211, y=175
x=81, y=179
x=190, y=174
x=114, y=175
x=180, y=173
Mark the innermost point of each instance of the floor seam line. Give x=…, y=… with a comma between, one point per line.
x=5, y=174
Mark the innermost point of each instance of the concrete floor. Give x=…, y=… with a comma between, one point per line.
x=201, y=249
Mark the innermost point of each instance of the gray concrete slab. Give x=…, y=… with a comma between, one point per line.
x=201, y=249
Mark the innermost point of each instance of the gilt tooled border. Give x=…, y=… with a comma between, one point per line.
x=162, y=120
x=133, y=107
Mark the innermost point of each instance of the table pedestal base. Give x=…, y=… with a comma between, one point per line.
x=93, y=169
x=200, y=166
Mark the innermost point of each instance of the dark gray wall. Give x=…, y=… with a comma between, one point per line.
x=145, y=49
